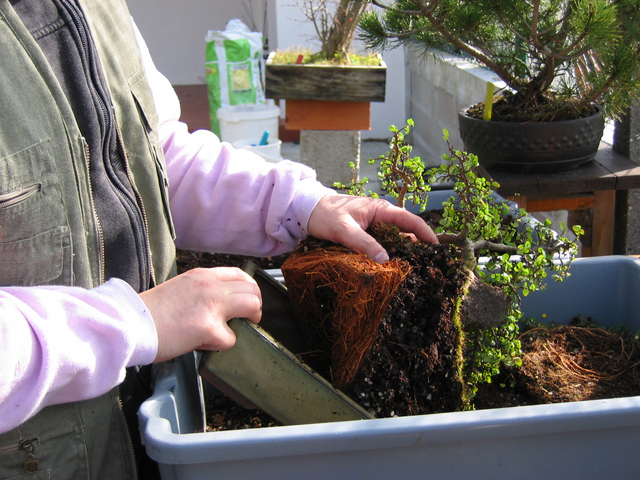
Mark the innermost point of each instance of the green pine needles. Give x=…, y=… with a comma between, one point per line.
x=564, y=53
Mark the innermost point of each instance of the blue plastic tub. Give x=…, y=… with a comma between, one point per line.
x=581, y=440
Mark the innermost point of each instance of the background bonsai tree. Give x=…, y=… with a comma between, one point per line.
x=519, y=253
x=401, y=175
x=335, y=23
x=557, y=57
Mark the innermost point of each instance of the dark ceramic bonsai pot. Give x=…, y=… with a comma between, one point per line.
x=532, y=147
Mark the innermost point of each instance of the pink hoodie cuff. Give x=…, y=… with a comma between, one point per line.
x=308, y=194
x=141, y=329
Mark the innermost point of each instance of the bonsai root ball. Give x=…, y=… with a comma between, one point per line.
x=391, y=333
x=339, y=297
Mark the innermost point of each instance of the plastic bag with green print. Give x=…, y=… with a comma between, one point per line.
x=234, y=68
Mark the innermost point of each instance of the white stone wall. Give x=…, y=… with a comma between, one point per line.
x=437, y=88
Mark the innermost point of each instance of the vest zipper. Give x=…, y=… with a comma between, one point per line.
x=84, y=39
x=10, y=448
x=101, y=247
x=138, y=212
x=86, y=50
x=20, y=195
x=21, y=445
x=31, y=465
x=109, y=123
x=141, y=206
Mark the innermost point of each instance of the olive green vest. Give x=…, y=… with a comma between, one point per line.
x=48, y=231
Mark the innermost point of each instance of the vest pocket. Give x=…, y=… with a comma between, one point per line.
x=35, y=239
x=17, y=196
x=53, y=251
x=147, y=110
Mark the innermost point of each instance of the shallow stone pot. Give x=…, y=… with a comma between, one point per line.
x=532, y=147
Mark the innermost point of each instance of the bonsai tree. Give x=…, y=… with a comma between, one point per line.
x=401, y=176
x=419, y=333
x=335, y=23
x=519, y=252
x=556, y=57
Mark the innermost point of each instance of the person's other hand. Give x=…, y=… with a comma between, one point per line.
x=344, y=218
x=191, y=310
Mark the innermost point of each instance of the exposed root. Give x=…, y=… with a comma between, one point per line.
x=391, y=333
x=569, y=363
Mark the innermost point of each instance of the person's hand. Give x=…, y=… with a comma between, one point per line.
x=344, y=218
x=191, y=310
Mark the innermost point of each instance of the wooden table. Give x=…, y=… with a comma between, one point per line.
x=592, y=185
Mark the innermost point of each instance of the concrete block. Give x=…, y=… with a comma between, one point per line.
x=329, y=152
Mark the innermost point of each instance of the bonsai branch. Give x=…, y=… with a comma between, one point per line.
x=471, y=250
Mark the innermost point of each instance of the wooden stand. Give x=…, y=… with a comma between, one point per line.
x=327, y=115
x=590, y=186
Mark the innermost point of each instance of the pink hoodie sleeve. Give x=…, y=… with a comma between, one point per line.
x=63, y=344
x=229, y=200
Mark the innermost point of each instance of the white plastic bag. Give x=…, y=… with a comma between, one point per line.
x=234, y=68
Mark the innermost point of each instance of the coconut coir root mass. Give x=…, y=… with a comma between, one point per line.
x=342, y=297
x=399, y=321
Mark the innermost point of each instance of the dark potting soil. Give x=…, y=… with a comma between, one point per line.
x=223, y=413
x=511, y=108
x=188, y=259
x=559, y=364
x=404, y=361
x=412, y=367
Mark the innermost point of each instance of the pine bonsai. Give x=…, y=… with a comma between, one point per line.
x=556, y=56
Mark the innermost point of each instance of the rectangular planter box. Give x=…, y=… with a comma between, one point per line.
x=345, y=83
x=590, y=439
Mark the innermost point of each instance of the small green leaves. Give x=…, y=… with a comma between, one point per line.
x=520, y=254
x=403, y=176
x=356, y=187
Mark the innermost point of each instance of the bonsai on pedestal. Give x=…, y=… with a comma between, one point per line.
x=328, y=93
